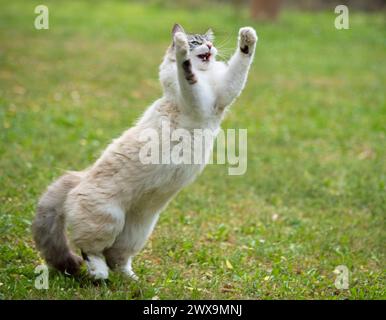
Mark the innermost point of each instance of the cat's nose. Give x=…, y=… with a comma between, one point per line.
x=209, y=45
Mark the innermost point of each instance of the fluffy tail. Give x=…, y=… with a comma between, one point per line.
x=48, y=227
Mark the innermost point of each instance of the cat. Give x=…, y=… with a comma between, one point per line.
x=110, y=209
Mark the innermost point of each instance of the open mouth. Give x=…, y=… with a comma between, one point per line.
x=204, y=57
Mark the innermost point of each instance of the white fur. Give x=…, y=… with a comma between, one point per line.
x=114, y=208
x=97, y=267
x=128, y=270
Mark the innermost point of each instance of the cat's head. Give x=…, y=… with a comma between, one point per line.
x=202, y=50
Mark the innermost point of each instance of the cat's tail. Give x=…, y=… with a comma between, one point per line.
x=48, y=227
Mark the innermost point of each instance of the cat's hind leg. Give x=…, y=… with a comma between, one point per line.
x=93, y=228
x=96, y=266
x=119, y=259
x=130, y=241
x=128, y=270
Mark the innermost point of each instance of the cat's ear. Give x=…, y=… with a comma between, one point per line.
x=177, y=28
x=209, y=34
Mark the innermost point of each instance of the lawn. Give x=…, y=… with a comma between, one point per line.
x=314, y=194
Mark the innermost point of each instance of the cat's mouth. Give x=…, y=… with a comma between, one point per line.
x=205, y=56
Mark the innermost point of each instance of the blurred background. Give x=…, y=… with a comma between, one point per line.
x=270, y=9
x=313, y=196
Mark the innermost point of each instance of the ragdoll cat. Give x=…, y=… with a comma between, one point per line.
x=110, y=209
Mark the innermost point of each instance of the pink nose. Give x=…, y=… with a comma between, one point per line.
x=209, y=45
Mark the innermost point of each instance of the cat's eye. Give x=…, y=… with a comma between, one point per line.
x=195, y=43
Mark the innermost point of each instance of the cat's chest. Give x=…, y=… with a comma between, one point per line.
x=183, y=160
x=207, y=80
x=165, y=182
x=171, y=178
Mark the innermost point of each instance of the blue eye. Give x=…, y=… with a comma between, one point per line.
x=195, y=43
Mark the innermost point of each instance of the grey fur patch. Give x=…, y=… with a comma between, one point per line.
x=189, y=75
x=48, y=227
x=195, y=40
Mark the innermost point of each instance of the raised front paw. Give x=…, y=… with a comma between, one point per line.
x=181, y=43
x=248, y=39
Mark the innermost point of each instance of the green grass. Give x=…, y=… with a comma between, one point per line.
x=315, y=111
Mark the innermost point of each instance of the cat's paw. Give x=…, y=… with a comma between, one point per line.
x=181, y=43
x=132, y=276
x=130, y=273
x=97, y=268
x=248, y=39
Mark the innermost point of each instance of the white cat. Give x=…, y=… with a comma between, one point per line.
x=110, y=208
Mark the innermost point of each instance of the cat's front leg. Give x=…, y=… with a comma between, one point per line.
x=191, y=90
x=182, y=54
x=233, y=81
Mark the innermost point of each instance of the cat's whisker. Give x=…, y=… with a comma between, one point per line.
x=224, y=42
